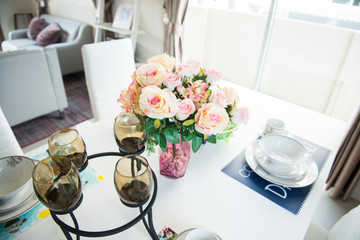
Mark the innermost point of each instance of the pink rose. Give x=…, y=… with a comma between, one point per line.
x=158, y=103
x=188, y=69
x=150, y=74
x=186, y=107
x=172, y=80
x=211, y=119
x=240, y=115
x=213, y=76
x=219, y=97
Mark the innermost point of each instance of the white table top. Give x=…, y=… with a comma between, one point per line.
x=205, y=197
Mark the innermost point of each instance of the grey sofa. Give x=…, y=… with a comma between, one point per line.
x=31, y=84
x=74, y=35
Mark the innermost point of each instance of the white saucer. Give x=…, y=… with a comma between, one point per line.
x=19, y=204
x=304, y=180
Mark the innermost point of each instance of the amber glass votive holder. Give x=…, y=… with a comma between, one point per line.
x=133, y=180
x=57, y=184
x=67, y=143
x=129, y=133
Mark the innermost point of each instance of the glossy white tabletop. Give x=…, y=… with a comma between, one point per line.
x=205, y=197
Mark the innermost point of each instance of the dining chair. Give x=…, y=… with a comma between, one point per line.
x=108, y=67
x=348, y=227
x=9, y=144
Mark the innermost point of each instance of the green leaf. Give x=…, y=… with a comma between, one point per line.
x=172, y=134
x=189, y=122
x=149, y=126
x=196, y=142
x=161, y=140
x=211, y=139
x=186, y=135
x=157, y=123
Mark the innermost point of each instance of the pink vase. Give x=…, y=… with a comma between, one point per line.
x=174, y=160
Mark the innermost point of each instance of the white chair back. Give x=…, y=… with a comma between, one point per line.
x=108, y=68
x=9, y=144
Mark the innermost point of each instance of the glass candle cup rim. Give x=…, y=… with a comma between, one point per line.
x=67, y=143
x=43, y=162
x=116, y=166
x=128, y=126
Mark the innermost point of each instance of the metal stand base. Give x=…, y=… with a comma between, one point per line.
x=148, y=223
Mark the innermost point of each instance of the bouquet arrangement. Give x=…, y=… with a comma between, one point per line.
x=182, y=102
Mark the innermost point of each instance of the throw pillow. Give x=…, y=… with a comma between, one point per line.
x=49, y=35
x=36, y=25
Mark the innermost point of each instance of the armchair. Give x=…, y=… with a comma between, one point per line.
x=31, y=84
x=74, y=35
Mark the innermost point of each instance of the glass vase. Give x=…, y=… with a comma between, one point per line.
x=174, y=161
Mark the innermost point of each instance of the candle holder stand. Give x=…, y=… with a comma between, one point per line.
x=147, y=211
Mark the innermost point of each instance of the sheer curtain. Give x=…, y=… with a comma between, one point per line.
x=345, y=173
x=174, y=16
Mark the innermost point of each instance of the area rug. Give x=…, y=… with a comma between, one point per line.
x=78, y=111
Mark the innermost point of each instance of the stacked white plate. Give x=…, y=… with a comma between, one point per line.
x=282, y=160
x=16, y=191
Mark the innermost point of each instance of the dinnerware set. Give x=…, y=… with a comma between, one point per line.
x=16, y=191
x=281, y=159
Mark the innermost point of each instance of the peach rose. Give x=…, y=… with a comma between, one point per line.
x=150, y=74
x=172, y=80
x=211, y=119
x=232, y=95
x=158, y=103
x=186, y=107
x=165, y=60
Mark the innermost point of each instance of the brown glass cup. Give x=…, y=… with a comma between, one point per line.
x=129, y=132
x=133, y=179
x=57, y=184
x=67, y=143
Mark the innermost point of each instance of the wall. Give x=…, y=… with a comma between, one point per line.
x=149, y=44
x=7, y=10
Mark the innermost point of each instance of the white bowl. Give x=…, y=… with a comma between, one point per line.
x=200, y=234
x=15, y=172
x=282, y=155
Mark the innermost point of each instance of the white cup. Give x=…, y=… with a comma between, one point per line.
x=274, y=126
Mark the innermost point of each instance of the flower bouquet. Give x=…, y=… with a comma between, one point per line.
x=181, y=104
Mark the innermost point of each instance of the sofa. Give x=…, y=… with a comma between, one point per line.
x=74, y=34
x=31, y=84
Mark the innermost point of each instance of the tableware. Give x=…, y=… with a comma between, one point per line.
x=129, y=132
x=57, y=184
x=281, y=155
x=20, y=209
x=183, y=235
x=15, y=172
x=9, y=204
x=274, y=126
x=133, y=179
x=67, y=143
x=200, y=234
x=306, y=179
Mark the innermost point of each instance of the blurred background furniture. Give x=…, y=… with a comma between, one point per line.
x=348, y=227
x=74, y=35
x=31, y=84
x=8, y=142
x=108, y=67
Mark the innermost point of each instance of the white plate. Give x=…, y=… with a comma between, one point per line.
x=306, y=179
x=19, y=204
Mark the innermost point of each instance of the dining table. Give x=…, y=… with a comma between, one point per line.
x=205, y=197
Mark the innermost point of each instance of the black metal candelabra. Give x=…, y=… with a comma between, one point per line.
x=147, y=211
